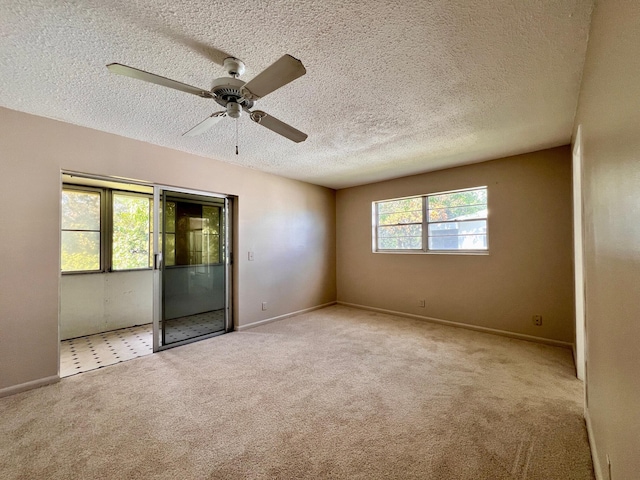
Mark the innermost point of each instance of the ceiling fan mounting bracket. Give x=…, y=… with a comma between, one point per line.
x=233, y=66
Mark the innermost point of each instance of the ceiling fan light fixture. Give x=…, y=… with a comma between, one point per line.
x=234, y=110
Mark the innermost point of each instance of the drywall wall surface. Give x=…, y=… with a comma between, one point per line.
x=98, y=302
x=609, y=113
x=289, y=225
x=527, y=272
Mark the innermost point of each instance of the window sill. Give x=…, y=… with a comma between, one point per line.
x=434, y=252
x=93, y=272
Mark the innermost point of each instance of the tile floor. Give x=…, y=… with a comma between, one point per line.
x=82, y=354
x=182, y=328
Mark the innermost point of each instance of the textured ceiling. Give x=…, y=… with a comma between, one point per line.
x=392, y=88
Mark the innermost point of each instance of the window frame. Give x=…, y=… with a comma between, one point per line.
x=106, y=227
x=111, y=192
x=102, y=209
x=425, y=226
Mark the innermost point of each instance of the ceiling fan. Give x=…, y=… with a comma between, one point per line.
x=234, y=94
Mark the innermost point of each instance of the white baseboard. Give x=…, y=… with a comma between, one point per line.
x=594, y=451
x=504, y=333
x=41, y=382
x=281, y=317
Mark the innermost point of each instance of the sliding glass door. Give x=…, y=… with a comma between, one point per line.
x=191, y=262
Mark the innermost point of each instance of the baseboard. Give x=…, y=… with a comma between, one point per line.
x=281, y=317
x=504, y=333
x=594, y=451
x=41, y=382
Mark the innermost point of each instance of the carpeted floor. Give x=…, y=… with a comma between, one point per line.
x=335, y=393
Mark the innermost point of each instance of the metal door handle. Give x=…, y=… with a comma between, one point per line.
x=157, y=261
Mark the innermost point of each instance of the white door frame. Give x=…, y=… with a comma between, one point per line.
x=578, y=256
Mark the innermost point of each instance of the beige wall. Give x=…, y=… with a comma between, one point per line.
x=609, y=112
x=528, y=271
x=290, y=226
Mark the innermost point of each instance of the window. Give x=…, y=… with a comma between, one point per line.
x=192, y=233
x=400, y=224
x=104, y=230
x=80, y=236
x=211, y=234
x=170, y=234
x=131, y=240
x=442, y=222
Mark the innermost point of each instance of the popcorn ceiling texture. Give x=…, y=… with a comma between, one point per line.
x=392, y=88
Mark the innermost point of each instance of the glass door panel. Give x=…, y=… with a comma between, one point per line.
x=193, y=273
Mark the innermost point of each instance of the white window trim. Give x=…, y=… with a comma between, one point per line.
x=425, y=225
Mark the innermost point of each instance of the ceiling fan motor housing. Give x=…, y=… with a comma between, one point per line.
x=227, y=90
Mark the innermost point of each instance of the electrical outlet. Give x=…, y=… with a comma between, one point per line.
x=537, y=320
x=264, y=305
x=422, y=303
x=250, y=256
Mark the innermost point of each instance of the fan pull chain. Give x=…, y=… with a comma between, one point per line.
x=236, y=136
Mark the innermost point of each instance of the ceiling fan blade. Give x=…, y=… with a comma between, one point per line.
x=157, y=79
x=278, y=74
x=275, y=125
x=205, y=125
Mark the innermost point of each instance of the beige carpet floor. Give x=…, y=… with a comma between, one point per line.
x=335, y=393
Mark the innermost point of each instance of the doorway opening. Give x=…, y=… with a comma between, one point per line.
x=128, y=289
